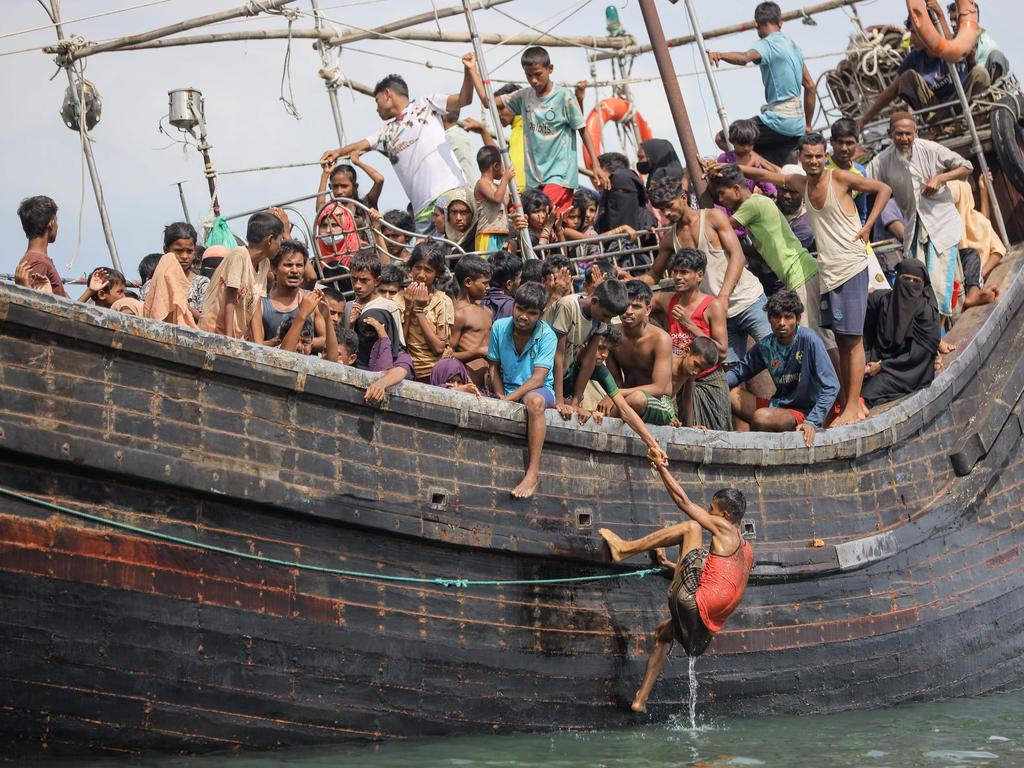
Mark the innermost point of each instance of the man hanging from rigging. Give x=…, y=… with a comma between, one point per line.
x=708, y=583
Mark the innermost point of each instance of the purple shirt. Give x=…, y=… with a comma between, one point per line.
x=767, y=188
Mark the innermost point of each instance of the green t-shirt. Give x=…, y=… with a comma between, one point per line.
x=605, y=379
x=775, y=241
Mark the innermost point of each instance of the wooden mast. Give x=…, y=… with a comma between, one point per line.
x=698, y=184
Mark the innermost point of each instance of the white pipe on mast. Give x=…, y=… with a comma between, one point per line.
x=499, y=135
x=719, y=104
x=90, y=161
x=330, y=84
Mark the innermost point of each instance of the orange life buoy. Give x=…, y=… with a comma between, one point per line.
x=613, y=110
x=934, y=42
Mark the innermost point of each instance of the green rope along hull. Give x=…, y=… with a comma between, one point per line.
x=440, y=581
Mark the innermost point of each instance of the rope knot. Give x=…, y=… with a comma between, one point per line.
x=254, y=7
x=457, y=583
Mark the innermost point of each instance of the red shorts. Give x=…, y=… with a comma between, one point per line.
x=560, y=197
x=763, y=403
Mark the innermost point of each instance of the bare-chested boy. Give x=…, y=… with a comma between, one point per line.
x=471, y=332
x=643, y=360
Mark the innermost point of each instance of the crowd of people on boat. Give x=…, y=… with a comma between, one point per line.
x=779, y=308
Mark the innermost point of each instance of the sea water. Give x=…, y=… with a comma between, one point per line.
x=985, y=731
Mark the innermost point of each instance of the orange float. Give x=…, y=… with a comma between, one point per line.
x=935, y=43
x=613, y=110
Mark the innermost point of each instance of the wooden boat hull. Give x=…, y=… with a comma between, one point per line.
x=115, y=639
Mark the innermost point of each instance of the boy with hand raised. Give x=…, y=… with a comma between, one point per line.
x=551, y=119
x=472, y=328
x=428, y=314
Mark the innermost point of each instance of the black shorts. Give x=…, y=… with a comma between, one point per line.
x=687, y=626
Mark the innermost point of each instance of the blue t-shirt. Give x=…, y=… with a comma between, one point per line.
x=516, y=368
x=782, y=72
x=934, y=72
x=550, y=128
x=804, y=378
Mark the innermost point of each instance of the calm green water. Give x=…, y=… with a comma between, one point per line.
x=968, y=732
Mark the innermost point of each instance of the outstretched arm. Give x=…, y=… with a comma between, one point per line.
x=470, y=77
x=698, y=514
x=330, y=157
x=735, y=57
x=883, y=100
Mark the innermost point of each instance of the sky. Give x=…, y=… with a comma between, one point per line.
x=249, y=126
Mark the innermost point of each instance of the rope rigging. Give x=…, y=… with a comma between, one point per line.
x=448, y=582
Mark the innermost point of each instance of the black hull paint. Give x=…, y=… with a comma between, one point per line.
x=116, y=641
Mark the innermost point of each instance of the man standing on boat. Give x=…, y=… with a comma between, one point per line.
x=785, y=117
x=708, y=583
x=917, y=170
x=414, y=141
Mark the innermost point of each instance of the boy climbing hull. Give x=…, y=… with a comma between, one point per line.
x=137, y=628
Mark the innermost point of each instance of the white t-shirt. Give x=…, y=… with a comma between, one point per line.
x=415, y=144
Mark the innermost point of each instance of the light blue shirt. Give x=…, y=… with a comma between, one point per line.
x=550, y=131
x=782, y=72
x=516, y=368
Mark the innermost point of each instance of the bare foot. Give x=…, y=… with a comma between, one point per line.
x=849, y=416
x=977, y=297
x=939, y=365
x=638, y=707
x=526, y=487
x=945, y=347
x=614, y=544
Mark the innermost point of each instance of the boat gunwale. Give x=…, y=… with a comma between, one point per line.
x=267, y=366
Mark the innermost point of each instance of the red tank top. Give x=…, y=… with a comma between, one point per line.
x=722, y=583
x=681, y=338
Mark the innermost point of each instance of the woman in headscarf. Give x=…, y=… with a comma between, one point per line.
x=657, y=157
x=456, y=210
x=901, y=336
x=380, y=349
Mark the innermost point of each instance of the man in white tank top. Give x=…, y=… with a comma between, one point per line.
x=842, y=256
x=727, y=278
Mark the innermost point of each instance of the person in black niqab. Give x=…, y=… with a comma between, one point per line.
x=660, y=158
x=901, y=336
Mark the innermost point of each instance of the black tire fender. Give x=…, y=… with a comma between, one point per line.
x=1008, y=137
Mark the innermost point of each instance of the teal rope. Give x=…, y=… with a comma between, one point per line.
x=439, y=581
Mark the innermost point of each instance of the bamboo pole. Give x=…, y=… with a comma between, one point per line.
x=249, y=9
x=90, y=161
x=152, y=39
x=329, y=38
x=732, y=29
x=499, y=134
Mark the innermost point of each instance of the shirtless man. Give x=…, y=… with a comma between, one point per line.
x=691, y=314
x=726, y=277
x=643, y=361
x=708, y=584
x=472, y=330
x=842, y=256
